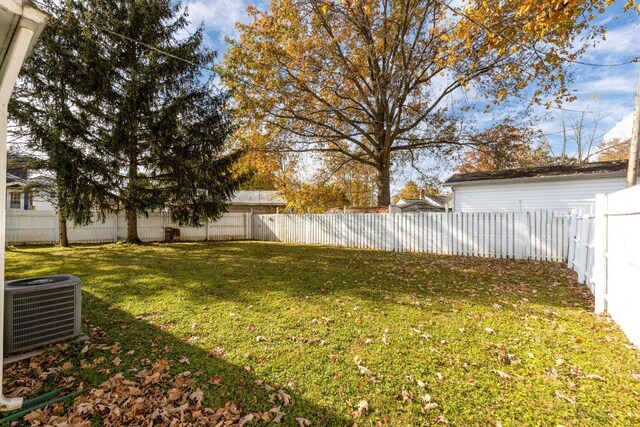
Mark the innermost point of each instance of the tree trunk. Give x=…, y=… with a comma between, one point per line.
x=130, y=206
x=384, y=185
x=132, y=226
x=64, y=239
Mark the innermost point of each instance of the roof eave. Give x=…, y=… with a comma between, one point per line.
x=571, y=177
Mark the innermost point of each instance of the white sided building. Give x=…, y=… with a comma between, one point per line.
x=558, y=187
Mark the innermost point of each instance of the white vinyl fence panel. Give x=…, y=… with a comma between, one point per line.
x=97, y=232
x=618, y=259
x=33, y=227
x=605, y=252
x=540, y=235
x=232, y=226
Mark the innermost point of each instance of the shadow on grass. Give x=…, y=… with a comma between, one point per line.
x=236, y=382
x=239, y=271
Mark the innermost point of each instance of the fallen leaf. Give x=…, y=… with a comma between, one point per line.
x=594, y=377
x=303, y=422
x=502, y=374
x=215, y=380
x=562, y=396
x=174, y=394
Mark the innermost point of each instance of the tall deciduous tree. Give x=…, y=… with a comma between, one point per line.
x=163, y=127
x=372, y=80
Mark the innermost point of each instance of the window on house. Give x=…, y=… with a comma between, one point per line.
x=15, y=200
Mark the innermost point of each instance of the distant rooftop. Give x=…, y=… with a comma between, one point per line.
x=359, y=209
x=617, y=167
x=258, y=198
x=438, y=201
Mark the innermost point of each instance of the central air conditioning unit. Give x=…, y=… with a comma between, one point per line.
x=40, y=311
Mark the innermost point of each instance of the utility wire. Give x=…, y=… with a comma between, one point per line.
x=148, y=46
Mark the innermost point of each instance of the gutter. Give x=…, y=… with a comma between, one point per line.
x=27, y=31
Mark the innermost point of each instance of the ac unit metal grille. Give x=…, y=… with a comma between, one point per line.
x=43, y=316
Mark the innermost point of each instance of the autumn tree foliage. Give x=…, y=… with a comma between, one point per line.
x=614, y=149
x=413, y=190
x=409, y=191
x=355, y=179
x=373, y=80
x=313, y=197
x=504, y=146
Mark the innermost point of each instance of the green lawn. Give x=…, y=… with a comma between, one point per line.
x=492, y=342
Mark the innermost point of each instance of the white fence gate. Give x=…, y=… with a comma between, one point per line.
x=581, y=250
x=33, y=227
x=540, y=235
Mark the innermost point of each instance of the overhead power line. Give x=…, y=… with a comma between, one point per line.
x=158, y=50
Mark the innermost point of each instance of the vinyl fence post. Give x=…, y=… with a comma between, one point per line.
x=600, y=253
x=573, y=226
x=583, y=250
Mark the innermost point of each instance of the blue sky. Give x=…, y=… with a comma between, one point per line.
x=607, y=93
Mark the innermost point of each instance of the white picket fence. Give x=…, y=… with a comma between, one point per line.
x=540, y=235
x=34, y=227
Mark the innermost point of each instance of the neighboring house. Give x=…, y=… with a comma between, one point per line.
x=257, y=201
x=364, y=209
x=18, y=198
x=560, y=187
x=425, y=204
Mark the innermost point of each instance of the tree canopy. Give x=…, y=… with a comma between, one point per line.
x=144, y=109
x=373, y=80
x=503, y=146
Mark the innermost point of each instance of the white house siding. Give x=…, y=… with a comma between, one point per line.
x=40, y=204
x=36, y=203
x=508, y=196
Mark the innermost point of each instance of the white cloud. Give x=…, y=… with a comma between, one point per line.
x=219, y=16
x=609, y=84
x=621, y=130
x=618, y=42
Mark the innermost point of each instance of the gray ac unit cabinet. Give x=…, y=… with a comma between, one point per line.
x=40, y=311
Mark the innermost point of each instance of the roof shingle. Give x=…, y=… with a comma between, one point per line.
x=618, y=166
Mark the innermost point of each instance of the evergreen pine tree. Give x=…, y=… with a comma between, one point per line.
x=52, y=109
x=165, y=128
